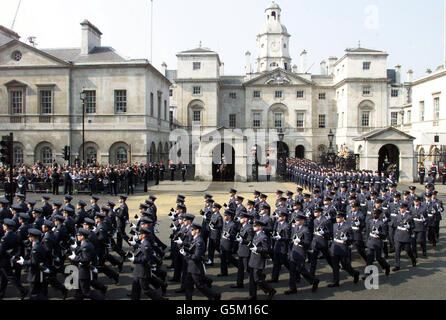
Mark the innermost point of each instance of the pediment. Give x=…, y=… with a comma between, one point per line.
x=385, y=134
x=278, y=77
x=29, y=56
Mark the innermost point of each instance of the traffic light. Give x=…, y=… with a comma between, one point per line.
x=66, y=153
x=6, y=150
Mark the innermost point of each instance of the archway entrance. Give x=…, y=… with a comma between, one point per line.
x=223, y=163
x=300, y=152
x=389, y=159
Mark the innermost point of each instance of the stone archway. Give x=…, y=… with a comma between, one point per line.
x=388, y=155
x=300, y=152
x=223, y=153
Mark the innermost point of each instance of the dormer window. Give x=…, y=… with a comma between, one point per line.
x=197, y=65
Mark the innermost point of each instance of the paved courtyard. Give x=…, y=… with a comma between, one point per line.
x=425, y=281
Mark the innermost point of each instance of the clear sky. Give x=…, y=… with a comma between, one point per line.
x=412, y=32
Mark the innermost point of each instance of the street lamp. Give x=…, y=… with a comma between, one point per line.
x=255, y=168
x=83, y=97
x=330, y=154
x=330, y=140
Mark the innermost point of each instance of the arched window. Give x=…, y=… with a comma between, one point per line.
x=121, y=155
x=18, y=155
x=273, y=64
x=46, y=155
x=91, y=155
x=273, y=14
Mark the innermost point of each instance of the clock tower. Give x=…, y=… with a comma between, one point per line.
x=273, y=42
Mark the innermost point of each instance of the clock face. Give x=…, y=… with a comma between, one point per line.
x=274, y=46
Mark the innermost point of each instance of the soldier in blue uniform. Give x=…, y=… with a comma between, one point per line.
x=282, y=236
x=403, y=235
x=215, y=227
x=420, y=218
x=244, y=238
x=375, y=236
x=228, y=236
x=322, y=231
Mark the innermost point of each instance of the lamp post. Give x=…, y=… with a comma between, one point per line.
x=330, y=154
x=255, y=168
x=83, y=97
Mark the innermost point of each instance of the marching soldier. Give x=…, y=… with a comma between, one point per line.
x=172, y=168
x=420, y=219
x=340, y=252
x=357, y=223
x=259, y=253
x=322, y=233
x=403, y=234
x=194, y=256
x=215, y=227
x=227, y=243
x=376, y=234
x=282, y=236
x=301, y=239
x=421, y=173
x=244, y=238
x=122, y=220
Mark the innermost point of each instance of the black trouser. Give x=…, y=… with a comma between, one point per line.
x=183, y=174
x=297, y=267
x=346, y=265
x=376, y=254
x=139, y=284
x=400, y=246
x=162, y=176
x=55, y=188
x=314, y=256
x=172, y=175
x=431, y=235
x=241, y=268
x=51, y=279
x=36, y=289
x=214, y=244
x=114, y=189
x=257, y=278
x=177, y=261
x=279, y=259
x=392, y=231
x=199, y=280
x=421, y=176
x=6, y=275
x=226, y=258
x=120, y=236
x=68, y=188
x=420, y=238
x=129, y=188
x=360, y=248
x=84, y=291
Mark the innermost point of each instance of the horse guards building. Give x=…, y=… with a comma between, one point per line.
x=115, y=109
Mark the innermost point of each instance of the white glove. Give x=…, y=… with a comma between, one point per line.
x=174, y=228
x=179, y=241
x=376, y=232
x=73, y=246
x=95, y=270
x=72, y=238
x=20, y=261
x=153, y=267
x=133, y=242
x=94, y=229
x=278, y=237
x=407, y=226
x=72, y=256
x=172, y=218
x=344, y=238
x=46, y=270
x=183, y=252
x=297, y=241
x=239, y=239
x=254, y=249
x=385, y=219
x=357, y=223
x=321, y=232
x=132, y=258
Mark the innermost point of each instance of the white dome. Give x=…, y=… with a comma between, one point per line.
x=273, y=5
x=273, y=27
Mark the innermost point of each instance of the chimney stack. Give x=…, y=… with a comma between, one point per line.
x=428, y=71
x=303, y=62
x=164, y=67
x=331, y=63
x=222, y=69
x=323, y=67
x=248, y=67
x=398, y=74
x=91, y=37
x=409, y=76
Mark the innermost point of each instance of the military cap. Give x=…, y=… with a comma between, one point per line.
x=34, y=232
x=300, y=216
x=407, y=193
x=99, y=215
x=340, y=214
x=209, y=200
x=10, y=223
x=57, y=203
x=306, y=195
x=289, y=193
x=83, y=232
x=196, y=226
x=149, y=202
x=263, y=196
x=394, y=185
x=37, y=210
x=69, y=210
x=429, y=195
x=229, y=212
x=21, y=196
x=46, y=198
x=257, y=193
x=356, y=204
x=251, y=203
x=300, y=189
x=104, y=208
x=123, y=196
x=95, y=197
x=32, y=202
x=379, y=200
x=181, y=207
x=48, y=223
x=246, y=215
x=430, y=186
x=278, y=192
x=152, y=197
x=111, y=203
x=59, y=217
x=189, y=216
x=143, y=206
x=146, y=231
x=417, y=198
x=378, y=212
x=17, y=207
x=68, y=197
x=328, y=199
x=4, y=201
x=375, y=193
x=82, y=203
x=397, y=195
x=412, y=188
x=259, y=223
x=208, y=196
x=89, y=221
x=239, y=198
x=404, y=205
x=344, y=186
x=282, y=199
x=181, y=196
x=264, y=206
x=180, y=200
x=298, y=203
x=282, y=213
x=232, y=191
x=435, y=192
x=318, y=209
x=145, y=220
x=216, y=205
